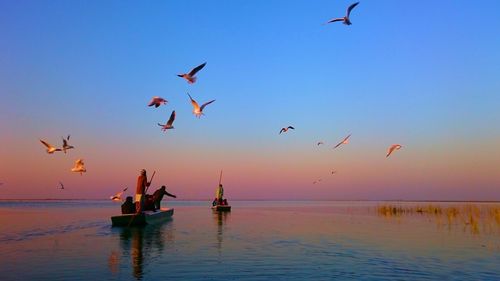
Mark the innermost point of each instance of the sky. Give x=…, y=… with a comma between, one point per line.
x=423, y=74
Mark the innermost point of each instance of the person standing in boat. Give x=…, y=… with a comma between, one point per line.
x=158, y=196
x=140, y=191
x=219, y=194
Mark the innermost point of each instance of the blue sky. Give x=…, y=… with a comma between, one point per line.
x=423, y=73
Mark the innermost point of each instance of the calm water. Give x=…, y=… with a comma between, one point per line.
x=74, y=240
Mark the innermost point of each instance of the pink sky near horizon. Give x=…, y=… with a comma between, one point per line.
x=433, y=171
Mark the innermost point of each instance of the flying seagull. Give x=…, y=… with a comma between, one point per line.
x=392, y=148
x=170, y=122
x=118, y=196
x=50, y=148
x=157, y=101
x=61, y=185
x=320, y=143
x=284, y=130
x=197, y=110
x=345, y=20
x=65, y=144
x=79, y=167
x=334, y=172
x=345, y=141
x=190, y=76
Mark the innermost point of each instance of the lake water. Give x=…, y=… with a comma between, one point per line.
x=74, y=240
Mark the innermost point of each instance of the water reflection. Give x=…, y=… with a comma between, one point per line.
x=220, y=218
x=141, y=245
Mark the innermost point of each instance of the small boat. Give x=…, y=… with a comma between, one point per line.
x=146, y=217
x=221, y=208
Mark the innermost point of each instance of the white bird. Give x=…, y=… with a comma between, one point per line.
x=345, y=20
x=79, y=167
x=170, y=122
x=118, y=196
x=392, y=148
x=65, y=144
x=284, y=130
x=157, y=101
x=190, y=76
x=197, y=110
x=50, y=148
x=344, y=141
x=320, y=143
x=61, y=185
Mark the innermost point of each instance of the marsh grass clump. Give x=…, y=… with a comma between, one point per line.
x=470, y=216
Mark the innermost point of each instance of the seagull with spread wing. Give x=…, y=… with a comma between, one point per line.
x=320, y=143
x=169, y=125
x=79, y=167
x=198, y=110
x=61, y=185
x=65, y=144
x=285, y=129
x=50, y=148
x=190, y=76
x=344, y=141
x=118, y=196
x=392, y=148
x=157, y=101
x=345, y=20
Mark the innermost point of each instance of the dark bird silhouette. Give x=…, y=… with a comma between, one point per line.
x=345, y=20
x=284, y=130
x=170, y=122
x=190, y=76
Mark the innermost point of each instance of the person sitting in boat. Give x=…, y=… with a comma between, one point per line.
x=158, y=196
x=219, y=193
x=140, y=191
x=128, y=206
x=149, y=204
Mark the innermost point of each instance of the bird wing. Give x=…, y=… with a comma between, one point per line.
x=336, y=19
x=65, y=142
x=205, y=104
x=282, y=130
x=290, y=127
x=349, y=9
x=196, y=69
x=171, y=119
x=390, y=150
x=340, y=143
x=68, y=137
x=194, y=103
x=346, y=138
x=46, y=144
x=152, y=102
x=125, y=189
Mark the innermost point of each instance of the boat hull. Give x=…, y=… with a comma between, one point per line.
x=146, y=217
x=222, y=208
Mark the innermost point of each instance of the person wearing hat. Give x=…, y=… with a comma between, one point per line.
x=140, y=190
x=158, y=196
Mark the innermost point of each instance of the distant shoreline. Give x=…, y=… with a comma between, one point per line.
x=279, y=200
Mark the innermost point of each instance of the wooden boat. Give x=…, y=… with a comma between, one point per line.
x=221, y=208
x=146, y=217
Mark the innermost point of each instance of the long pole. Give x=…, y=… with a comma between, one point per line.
x=151, y=180
x=220, y=177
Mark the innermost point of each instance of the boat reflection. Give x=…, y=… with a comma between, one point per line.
x=221, y=219
x=141, y=244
